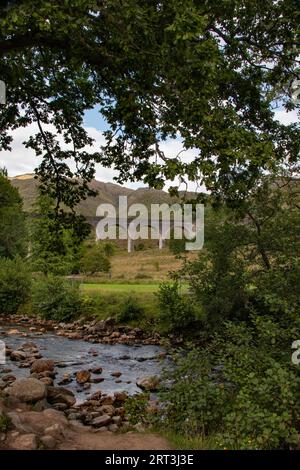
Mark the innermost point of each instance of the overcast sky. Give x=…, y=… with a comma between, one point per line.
x=21, y=160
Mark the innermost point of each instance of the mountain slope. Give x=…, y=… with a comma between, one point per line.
x=107, y=193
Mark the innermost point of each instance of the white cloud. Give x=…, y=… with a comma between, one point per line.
x=21, y=160
x=286, y=118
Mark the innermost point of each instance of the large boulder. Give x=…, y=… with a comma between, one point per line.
x=60, y=395
x=27, y=390
x=42, y=365
x=38, y=422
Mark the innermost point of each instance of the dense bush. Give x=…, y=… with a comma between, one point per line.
x=251, y=258
x=54, y=298
x=130, y=310
x=13, y=236
x=136, y=408
x=176, y=311
x=243, y=388
x=56, y=239
x=94, y=260
x=14, y=285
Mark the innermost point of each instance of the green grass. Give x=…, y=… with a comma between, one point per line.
x=109, y=301
x=183, y=442
x=119, y=287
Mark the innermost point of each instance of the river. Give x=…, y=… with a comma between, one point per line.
x=71, y=356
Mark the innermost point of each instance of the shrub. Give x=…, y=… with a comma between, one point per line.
x=94, y=260
x=54, y=298
x=14, y=285
x=136, y=408
x=131, y=310
x=177, y=246
x=175, y=311
x=242, y=388
x=109, y=249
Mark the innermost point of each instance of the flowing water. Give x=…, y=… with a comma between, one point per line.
x=73, y=355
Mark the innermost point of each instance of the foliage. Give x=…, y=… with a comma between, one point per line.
x=242, y=388
x=109, y=249
x=131, y=310
x=177, y=246
x=94, y=260
x=14, y=284
x=136, y=408
x=5, y=422
x=12, y=221
x=54, y=298
x=206, y=72
x=251, y=249
x=176, y=311
x=56, y=242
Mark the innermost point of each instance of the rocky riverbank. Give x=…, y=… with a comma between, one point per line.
x=94, y=331
x=35, y=414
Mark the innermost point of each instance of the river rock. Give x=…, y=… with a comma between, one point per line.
x=48, y=442
x=115, y=334
x=18, y=355
x=96, y=370
x=97, y=380
x=116, y=374
x=27, y=390
x=106, y=410
x=107, y=400
x=8, y=378
x=29, y=345
x=24, y=365
x=56, y=431
x=113, y=427
x=74, y=335
x=117, y=420
x=42, y=365
x=96, y=396
x=83, y=376
x=25, y=442
x=60, y=406
x=37, y=422
x=120, y=397
x=60, y=395
x=150, y=384
x=140, y=427
x=104, y=325
x=66, y=379
x=74, y=416
x=103, y=420
x=46, y=380
x=13, y=331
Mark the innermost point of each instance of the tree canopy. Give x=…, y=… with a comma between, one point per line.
x=207, y=72
x=12, y=222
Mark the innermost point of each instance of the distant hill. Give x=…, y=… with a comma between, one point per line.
x=107, y=193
